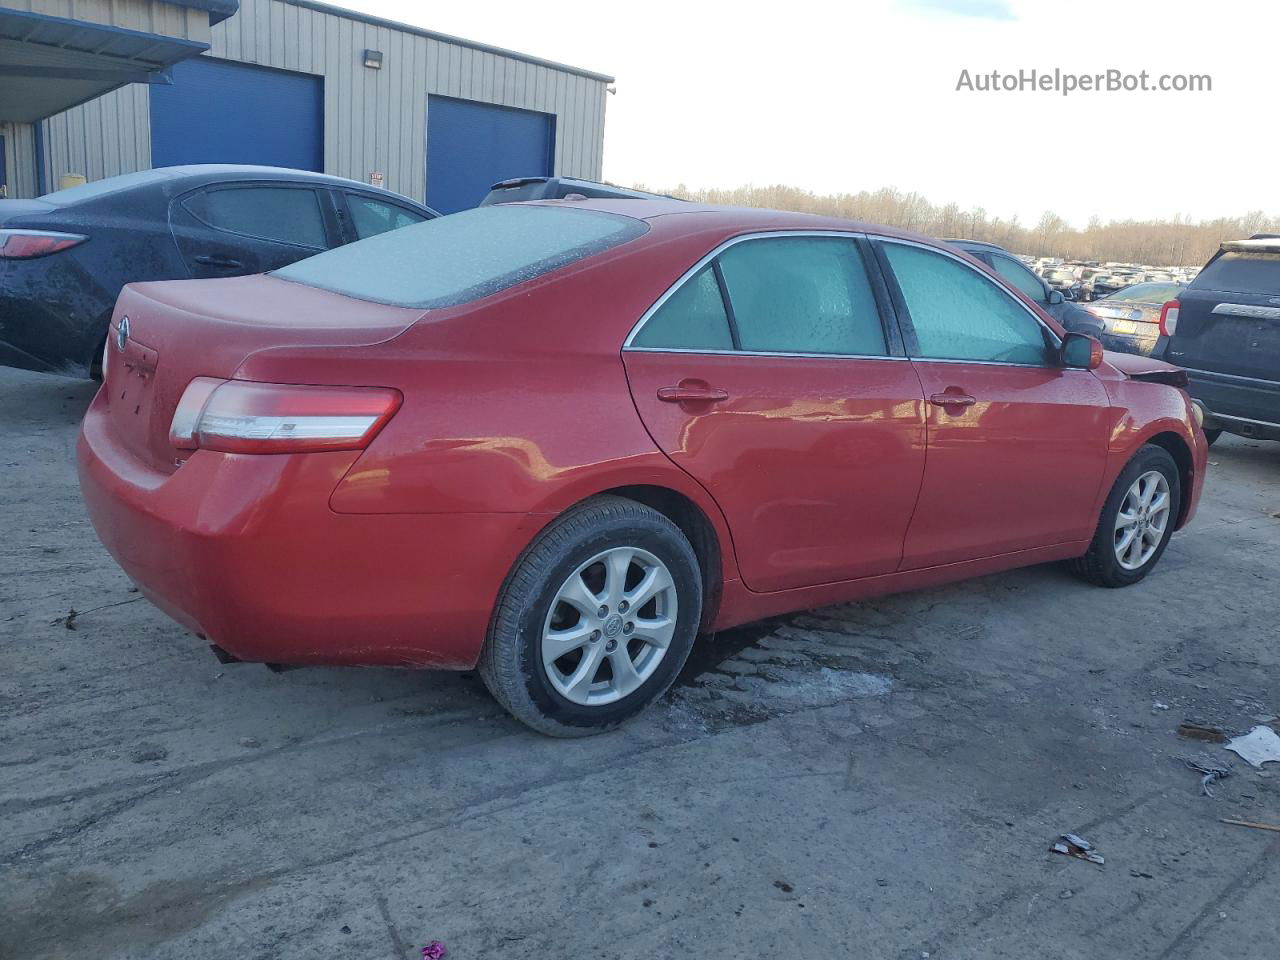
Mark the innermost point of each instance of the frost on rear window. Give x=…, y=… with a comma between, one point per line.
x=462, y=257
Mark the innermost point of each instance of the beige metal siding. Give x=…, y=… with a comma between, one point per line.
x=19, y=158
x=102, y=138
x=374, y=120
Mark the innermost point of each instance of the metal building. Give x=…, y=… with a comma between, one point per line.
x=284, y=82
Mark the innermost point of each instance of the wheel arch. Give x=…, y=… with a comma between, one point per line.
x=1177, y=447
x=698, y=529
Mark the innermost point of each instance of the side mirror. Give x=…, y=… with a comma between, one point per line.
x=1081, y=352
x=1055, y=297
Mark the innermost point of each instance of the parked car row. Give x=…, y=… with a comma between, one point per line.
x=1090, y=280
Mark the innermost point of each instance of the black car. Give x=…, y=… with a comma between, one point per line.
x=1073, y=317
x=65, y=256
x=557, y=188
x=1224, y=330
x=1131, y=316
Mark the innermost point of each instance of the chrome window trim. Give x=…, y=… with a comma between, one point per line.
x=850, y=235
x=765, y=353
x=998, y=283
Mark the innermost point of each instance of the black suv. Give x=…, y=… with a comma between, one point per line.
x=1074, y=318
x=1224, y=330
x=558, y=188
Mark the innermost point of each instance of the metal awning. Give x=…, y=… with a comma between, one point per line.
x=48, y=64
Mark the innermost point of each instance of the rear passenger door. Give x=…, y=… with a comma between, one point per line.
x=770, y=375
x=232, y=229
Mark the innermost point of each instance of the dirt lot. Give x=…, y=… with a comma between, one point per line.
x=874, y=780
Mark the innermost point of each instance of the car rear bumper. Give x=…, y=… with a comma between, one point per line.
x=1243, y=405
x=246, y=552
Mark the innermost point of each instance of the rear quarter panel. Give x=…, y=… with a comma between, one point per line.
x=515, y=404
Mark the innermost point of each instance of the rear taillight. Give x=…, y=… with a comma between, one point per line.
x=239, y=416
x=1169, y=319
x=27, y=244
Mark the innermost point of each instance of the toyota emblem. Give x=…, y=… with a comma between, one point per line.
x=122, y=333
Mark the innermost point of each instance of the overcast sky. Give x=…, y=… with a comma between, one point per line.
x=835, y=97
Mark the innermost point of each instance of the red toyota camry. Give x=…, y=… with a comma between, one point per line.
x=557, y=440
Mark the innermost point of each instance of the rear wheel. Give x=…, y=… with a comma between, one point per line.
x=1136, y=523
x=595, y=621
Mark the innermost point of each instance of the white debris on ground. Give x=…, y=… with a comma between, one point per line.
x=1258, y=746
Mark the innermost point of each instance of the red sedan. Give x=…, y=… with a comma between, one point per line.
x=558, y=440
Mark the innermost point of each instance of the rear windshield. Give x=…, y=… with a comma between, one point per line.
x=462, y=257
x=1242, y=273
x=1148, y=292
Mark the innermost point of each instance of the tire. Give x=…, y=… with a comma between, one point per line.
x=581, y=544
x=1102, y=564
x=1211, y=436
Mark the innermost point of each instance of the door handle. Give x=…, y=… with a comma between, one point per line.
x=952, y=400
x=692, y=393
x=216, y=261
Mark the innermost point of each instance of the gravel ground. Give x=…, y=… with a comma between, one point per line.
x=880, y=779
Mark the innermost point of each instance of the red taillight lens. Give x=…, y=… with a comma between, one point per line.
x=27, y=244
x=239, y=416
x=1169, y=318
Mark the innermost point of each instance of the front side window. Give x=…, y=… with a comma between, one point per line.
x=1020, y=277
x=463, y=257
x=692, y=318
x=280, y=214
x=371, y=217
x=802, y=295
x=958, y=314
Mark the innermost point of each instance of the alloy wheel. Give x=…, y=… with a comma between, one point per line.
x=1142, y=520
x=609, y=626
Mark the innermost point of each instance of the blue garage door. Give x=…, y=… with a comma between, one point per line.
x=471, y=146
x=220, y=112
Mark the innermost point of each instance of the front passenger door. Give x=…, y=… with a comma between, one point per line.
x=229, y=230
x=1017, y=443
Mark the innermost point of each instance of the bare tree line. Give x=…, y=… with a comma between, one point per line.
x=1175, y=242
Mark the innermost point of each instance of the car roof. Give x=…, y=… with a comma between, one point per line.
x=734, y=219
x=184, y=176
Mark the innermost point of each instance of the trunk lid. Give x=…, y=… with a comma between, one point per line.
x=1229, y=317
x=178, y=330
x=17, y=212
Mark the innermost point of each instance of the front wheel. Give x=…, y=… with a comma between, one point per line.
x=595, y=620
x=1211, y=436
x=1136, y=523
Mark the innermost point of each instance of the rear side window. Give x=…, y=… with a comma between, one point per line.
x=1242, y=273
x=802, y=295
x=371, y=217
x=463, y=257
x=958, y=314
x=693, y=318
x=280, y=214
